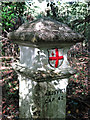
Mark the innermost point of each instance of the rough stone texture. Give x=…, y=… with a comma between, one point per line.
x=40, y=85
x=43, y=99
x=41, y=76
x=34, y=65
x=44, y=30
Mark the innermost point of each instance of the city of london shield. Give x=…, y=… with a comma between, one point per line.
x=55, y=57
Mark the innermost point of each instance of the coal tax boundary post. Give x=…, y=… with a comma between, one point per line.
x=43, y=77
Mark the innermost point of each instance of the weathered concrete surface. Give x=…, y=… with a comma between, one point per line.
x=45, y=30
x=34, y=65
x=42, y=89
x=43, y=99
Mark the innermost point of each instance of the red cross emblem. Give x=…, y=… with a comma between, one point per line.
x=54, y=59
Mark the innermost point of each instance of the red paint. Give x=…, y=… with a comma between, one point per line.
x=52, y=54
x=57, y=58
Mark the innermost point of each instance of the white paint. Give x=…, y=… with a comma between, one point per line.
x=31, y=94
x=39, y=26
x=62, y=84
x=54, y=109
x=37, y=59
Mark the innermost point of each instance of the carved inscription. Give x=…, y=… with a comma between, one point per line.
x=55, y=92
x=54, y=95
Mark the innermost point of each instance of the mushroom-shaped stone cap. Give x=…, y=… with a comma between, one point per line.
x=45, y=30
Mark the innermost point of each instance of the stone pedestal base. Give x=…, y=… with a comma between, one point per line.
x=42, y=99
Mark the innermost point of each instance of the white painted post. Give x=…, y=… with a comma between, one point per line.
x=43, y=71
x=42, y=98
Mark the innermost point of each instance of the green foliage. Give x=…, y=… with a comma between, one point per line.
x=74, y=15
x=10, y=12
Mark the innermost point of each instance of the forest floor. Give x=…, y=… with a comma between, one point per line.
x=10, y=83
x=78, y=94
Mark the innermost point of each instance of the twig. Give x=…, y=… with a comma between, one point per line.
x=81, y=101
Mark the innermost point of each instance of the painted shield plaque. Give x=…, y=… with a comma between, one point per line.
x=55, y=57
